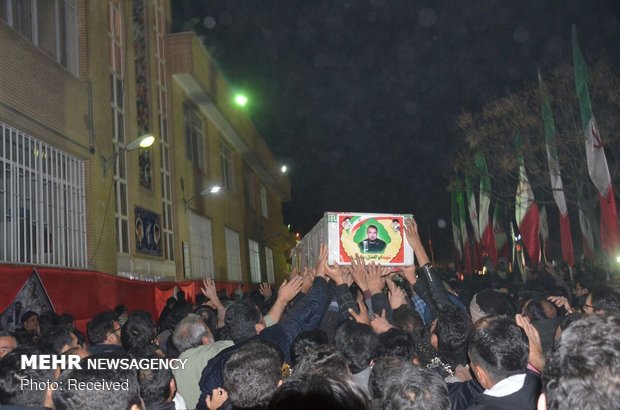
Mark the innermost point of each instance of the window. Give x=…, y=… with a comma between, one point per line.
x=263, y=201
x=42, y=206
x=250, y=189
x=49, y=24
x=271, y=276
x=233, y=254
x=117, y=104
x=226, y=159
x=194, y=138
x=201, y=245
x=164, y=144
x=254, y=261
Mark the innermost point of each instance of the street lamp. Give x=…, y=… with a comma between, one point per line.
x=241, y=100
x=207, y=191
x=144, y=141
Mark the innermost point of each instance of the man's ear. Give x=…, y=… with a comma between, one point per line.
x=482, y=376
x=205, y=340
x=542, y=402
x=173, y=389
x=259, y=327
x=282, y=381
x=434, y=340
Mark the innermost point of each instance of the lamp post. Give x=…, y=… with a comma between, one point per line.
x=144, y=141
x=207, y=191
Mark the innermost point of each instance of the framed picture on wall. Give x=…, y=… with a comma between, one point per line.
x=148, y=232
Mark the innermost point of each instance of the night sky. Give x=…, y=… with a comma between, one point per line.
x=360, y=98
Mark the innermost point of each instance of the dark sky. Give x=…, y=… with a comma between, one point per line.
x=359, y=98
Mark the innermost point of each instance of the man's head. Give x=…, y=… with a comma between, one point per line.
x=397, y=343
x=30, y=321
x=371, y=232
x=125, y=398
x=243, y=321
x=382, y=370
x=137, y=332
x=252, y=374
x=191, y=332
x=490, y=302
x=59, y=339
x=7, y=343
x=497, y=349
x=602, y=300
x=582, y=370
x=453, y=326
x=325, y=360
x=305, y=341
x=358, y=344
x=415, y=387
x=157, y=386
x=310, y=391
x=104, y=328
x=408, y=319
x=16, y=383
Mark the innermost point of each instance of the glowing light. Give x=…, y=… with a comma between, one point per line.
x=284, y=169
x=241, y=100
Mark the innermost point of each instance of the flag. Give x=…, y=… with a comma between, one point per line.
x=526, y=211
x=501, y=239
x=544, y=232
x=472, y=208
x=518, y=259
x=486, y=227
x=557, y=187
x=586, y=234
x=31, y=297
x=463, y=229
x=456, y=226
x=595, y=154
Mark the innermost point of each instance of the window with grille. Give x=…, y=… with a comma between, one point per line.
x=254, y=261
x=42, y=206
x=201, y=243
x=51, y=25
x=271, y=275
x=194, y=138
x=263, y=202
x=233, y=254
x=226, y=159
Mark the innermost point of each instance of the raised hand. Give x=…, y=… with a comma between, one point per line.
x=561, y=301
x=537, y=357
x=208, y=289
x=361, y=317
x=410, y=275
x=380, y=324
x=396, y=295
x=265, y=290
x=358, y=271
x=321, y=263
x=334, y=273
x=289, y=289
x=374, y=278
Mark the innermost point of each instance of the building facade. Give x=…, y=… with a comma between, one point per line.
x=82, y=80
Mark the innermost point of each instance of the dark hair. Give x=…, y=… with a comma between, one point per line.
x=453, y=326
x=407, y=319
x=569, y=320
x=99, y=327
x=28, y=315
x=398, y=343
x=311, y=391
x=499, y=346
x=325, y=360
x=372, y=226
x=251, y=375
x=55, y=338
x=11, y=375
x=208, y=315
x=415, y=387
x=358, y=344
x=240, y=320
x=582, y=369
x=492, y=302
x=307, y=340
x=383, y=368
x=67, y=320
x=47, y=320
x=137, y=332
x=120, y=309
x=98, y=399
x=605, y=298
x=534, y=309
x=154, y=384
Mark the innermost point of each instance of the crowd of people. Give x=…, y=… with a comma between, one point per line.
x=363, y=336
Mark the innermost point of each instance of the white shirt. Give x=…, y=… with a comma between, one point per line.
x=507, y=386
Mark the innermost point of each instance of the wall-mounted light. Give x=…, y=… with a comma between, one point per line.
x=284, y=168
x=207, y=191
x=144, y=141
